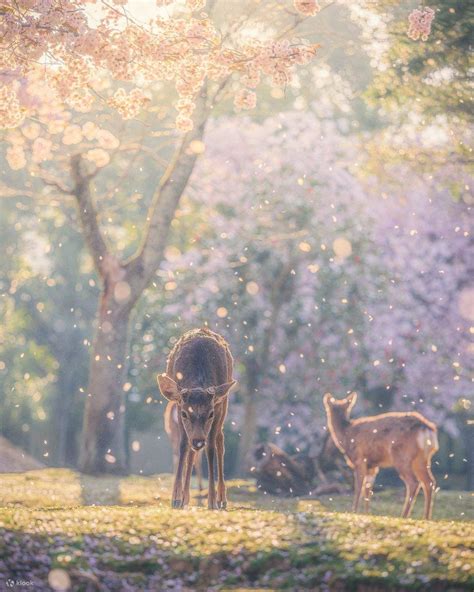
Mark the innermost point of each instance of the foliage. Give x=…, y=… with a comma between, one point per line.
x=432, y=76
x=48, y=307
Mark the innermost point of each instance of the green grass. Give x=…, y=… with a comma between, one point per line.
x=111, y=532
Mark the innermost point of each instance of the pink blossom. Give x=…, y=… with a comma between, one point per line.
x=420, y=21
x=16, y=157
x=245, y=99
x=42, y=150
x=195, y=5
x=184, y=124
x=98, y=156
x=307, y=7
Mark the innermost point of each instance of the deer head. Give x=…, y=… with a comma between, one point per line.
x=340, y=407
x=196, y=407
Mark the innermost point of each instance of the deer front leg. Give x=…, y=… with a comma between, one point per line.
x=221, y=489
x=359, y=476
x=177, y=498
x=198, y=467
x=211, y=496
x=187, y=476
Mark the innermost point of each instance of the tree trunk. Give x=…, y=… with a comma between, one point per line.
x=255, y=367
x=249, y=432
x=249, y=428
x=103, y=447
x=70, y=378
x=64, y=401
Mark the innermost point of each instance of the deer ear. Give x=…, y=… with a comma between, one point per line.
x=351, y=399
x=168, y=387
x=327, y=399
x=220, y=391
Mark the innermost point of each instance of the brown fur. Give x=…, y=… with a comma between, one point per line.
x=278, y=472
x=330, y=462
x=405, y=441
x=171, y=424
x=198, y=379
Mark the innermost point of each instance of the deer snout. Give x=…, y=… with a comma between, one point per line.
x=198, y=444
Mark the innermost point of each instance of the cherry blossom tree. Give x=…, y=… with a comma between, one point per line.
x=420, y=341
x=282, y=268
x=82, y=56
x=82, y=62
x=58, y=47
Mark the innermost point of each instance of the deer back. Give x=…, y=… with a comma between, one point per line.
x=200, y=358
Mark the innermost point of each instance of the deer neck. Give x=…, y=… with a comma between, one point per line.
x=338, y=425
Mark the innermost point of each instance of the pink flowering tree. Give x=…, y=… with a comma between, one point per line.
x=163, y=78
x=280, y=265
x=421, y=333
x=319, y=284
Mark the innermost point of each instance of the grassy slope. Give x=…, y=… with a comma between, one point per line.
x=48, y=520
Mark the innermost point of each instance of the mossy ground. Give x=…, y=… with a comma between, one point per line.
x=120, y=534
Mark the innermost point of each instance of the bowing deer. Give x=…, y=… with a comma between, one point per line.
x=198, y=379
x=171, y=424
x=405, y=441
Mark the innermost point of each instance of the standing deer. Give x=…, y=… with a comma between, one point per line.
x=171, y=423
x=198, y=379
x=405, y=441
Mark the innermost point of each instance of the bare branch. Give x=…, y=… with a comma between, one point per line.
x=53, y=181
x=9, y=192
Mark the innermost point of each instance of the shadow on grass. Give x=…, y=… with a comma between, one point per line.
x=132, y=490
x=100, y=491
x=149, y=563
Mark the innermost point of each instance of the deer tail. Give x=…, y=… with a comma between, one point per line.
x=167, y=417
x=427, y=440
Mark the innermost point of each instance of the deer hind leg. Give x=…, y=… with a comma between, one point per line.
x=412, y=486
x=177, y=497
x=221, y=488
x=422, y=469
x=187, y=476
x=368, y=486
x=359, y=477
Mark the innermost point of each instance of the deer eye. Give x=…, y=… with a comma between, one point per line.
x=184, y=415
x=211, y=415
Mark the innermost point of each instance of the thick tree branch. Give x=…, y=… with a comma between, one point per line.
x=162, y=210
x=88, y=214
